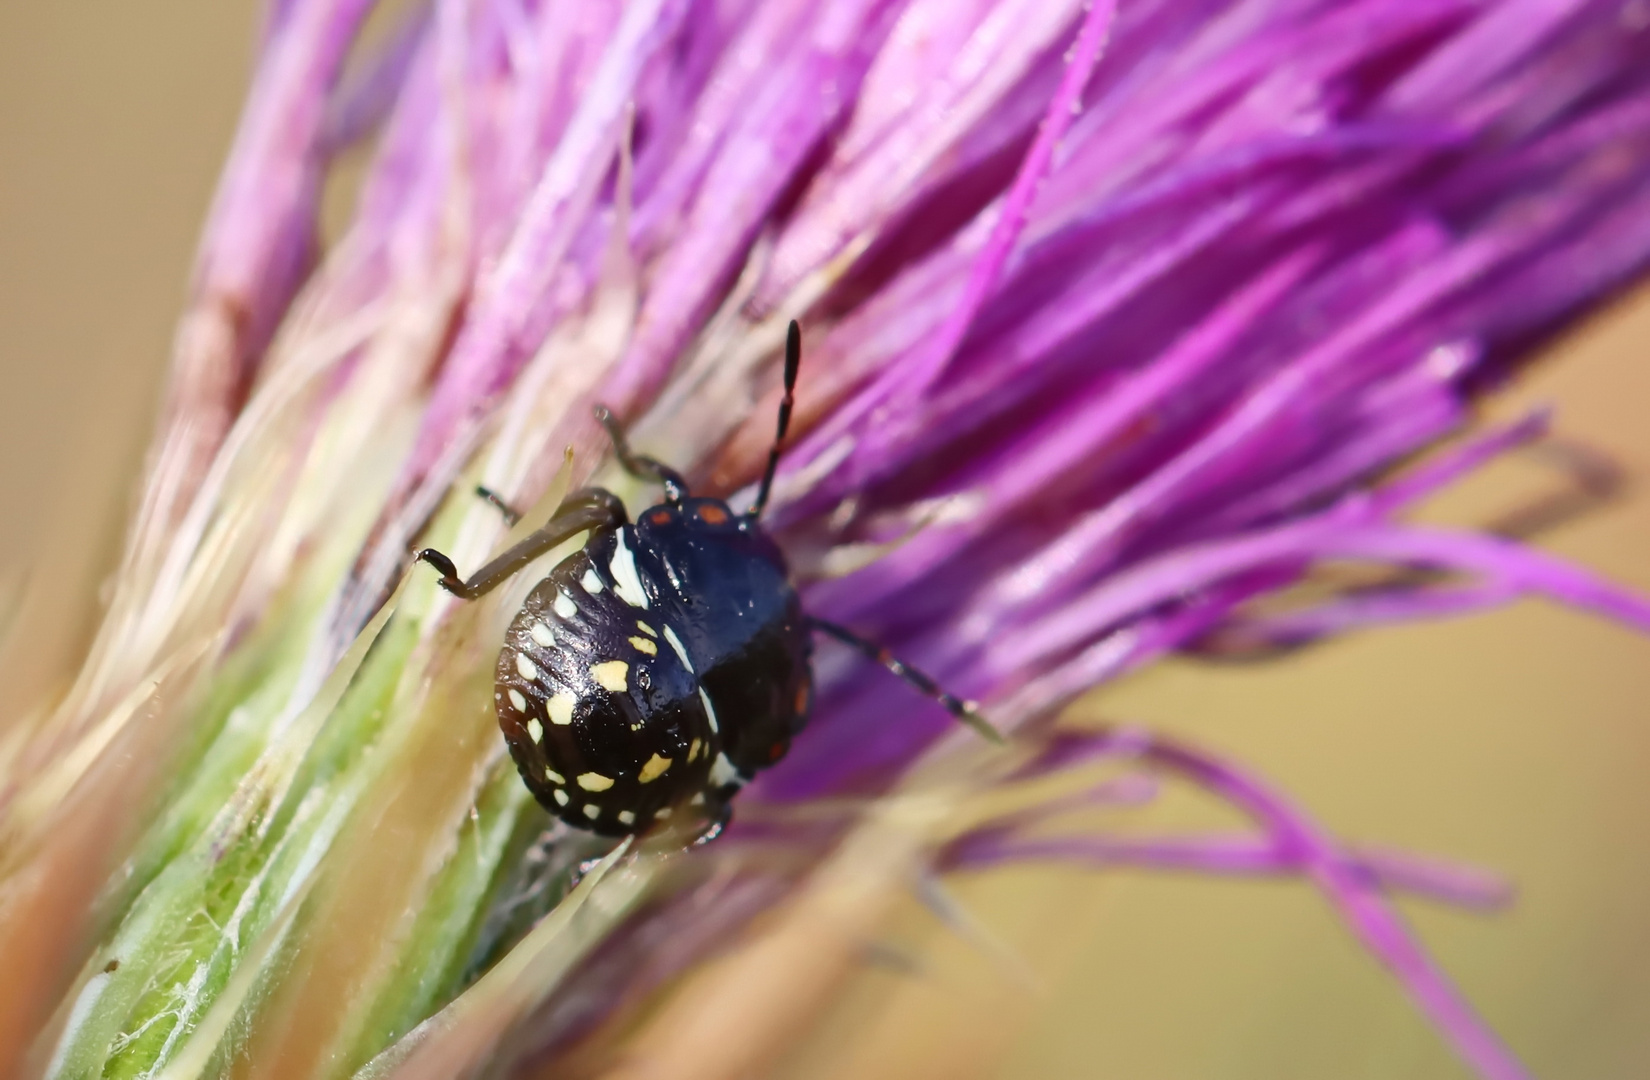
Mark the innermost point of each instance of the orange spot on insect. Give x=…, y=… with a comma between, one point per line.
x=711, y=514
x=776, y=751
x=804, y=696
x=658, y=516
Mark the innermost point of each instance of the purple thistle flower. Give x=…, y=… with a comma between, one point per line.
x=1119, y=320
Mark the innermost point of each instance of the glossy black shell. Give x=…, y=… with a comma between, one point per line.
x=654, y=672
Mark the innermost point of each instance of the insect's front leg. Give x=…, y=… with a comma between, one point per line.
x=640, y=465
x=587, y=510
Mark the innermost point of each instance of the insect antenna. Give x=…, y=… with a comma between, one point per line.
x=793, y=360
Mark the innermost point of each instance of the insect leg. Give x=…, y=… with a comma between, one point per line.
x=714, y=827
x=793, y=361
x=640, y=465
x=496, y=501
x=962, y=710
x=589, y=509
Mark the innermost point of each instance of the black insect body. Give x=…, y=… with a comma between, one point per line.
x=623, y=694
x=653, y=673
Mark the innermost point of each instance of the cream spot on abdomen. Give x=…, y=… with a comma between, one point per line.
x=610, y=675
x=656, y=767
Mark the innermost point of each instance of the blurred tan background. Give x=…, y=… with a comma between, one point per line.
x=1518, y=740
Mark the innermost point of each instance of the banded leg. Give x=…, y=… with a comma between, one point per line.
x=640, y=465
x=964, y=711
x=589, y=509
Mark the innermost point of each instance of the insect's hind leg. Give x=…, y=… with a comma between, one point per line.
x=586, y=510
x=964, y=711
x=640, y=465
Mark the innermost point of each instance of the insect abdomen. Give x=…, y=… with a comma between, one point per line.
x=605, y=726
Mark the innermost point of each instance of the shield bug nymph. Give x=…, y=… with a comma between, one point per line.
x=655, y=671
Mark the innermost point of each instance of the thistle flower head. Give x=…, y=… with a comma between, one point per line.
x=1122, y=320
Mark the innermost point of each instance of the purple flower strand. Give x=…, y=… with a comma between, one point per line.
x=1116, y=317
x=1360, y=611
x=1348, y=886
x=1327, y=536
x=918, y=374
x=259, y=232
x=1239, y=856
x=491, y=348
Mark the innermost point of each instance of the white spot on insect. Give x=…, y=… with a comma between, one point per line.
x=722, y=772
x=681, y=650
x=643, y=645
x=541, y=634
x=698, y=798
x=564, y=606
x=595, y=781
x=646, y=629
x=561, y=797
x=535, y=729
x=592, y=811
x=517, y=701
x=610, y=674
x=710, y=710
x=560, y=707
x=553, y=776
x=656, y=767
x=525, y=667
x=592, y=584
x=626, y=818
x=662, y=813
x=627, y=583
